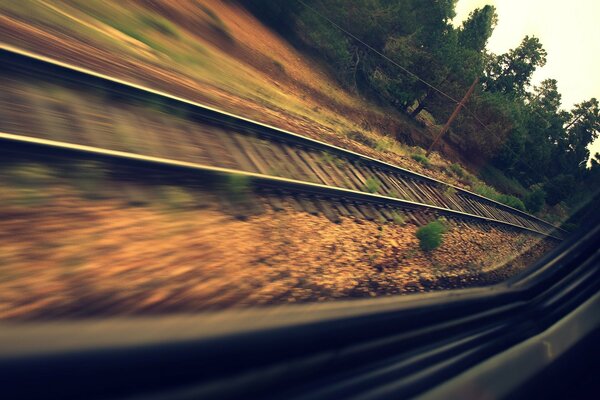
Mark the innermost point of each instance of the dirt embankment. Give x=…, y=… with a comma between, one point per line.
x=219, y=54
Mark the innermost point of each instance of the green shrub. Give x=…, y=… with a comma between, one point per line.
x=29, y=174
x=420, y=158
x=430, y=235
x=491, y=193
x=89, y=177
x=559, y=188
x=238, y=188
x=511, y=201
x=372, y=185
x=177, y=197
x=398, y=218
x=457, y=170
x=450, y=191
x=535, y=199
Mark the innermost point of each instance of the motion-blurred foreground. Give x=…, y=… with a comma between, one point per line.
x=84, y=235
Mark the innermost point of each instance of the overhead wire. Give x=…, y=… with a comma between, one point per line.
x=408, y=72
x=415, y=76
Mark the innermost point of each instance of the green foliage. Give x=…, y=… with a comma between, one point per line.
x=421, y=159
x=372, y=185
x=450, y=191
x=510, y=73
x=430, y=235
x=491, y=193
x=89, y=178
x=478, y=28
x=237, y=187
x=398, y=218
x=527, y=136
x=177, y=197
x=500, y=181
x=511, y=201
x=535, y=199
x=29, y=175
x=457, y=170
x=559, y=188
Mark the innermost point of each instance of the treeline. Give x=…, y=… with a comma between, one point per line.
x=527, y=135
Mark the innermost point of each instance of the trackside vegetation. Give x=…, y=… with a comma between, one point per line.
x=537, y=150
x=430, y=235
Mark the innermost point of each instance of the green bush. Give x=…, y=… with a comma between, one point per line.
x=372, y=185
x=420, y=158
x=535, y=199
x=559, y=188
x=237, y=187
x=430, y=235
x=457, y=170
x=491, y=193
x=177, y=197
x=398, y=218
x=511, y=201
x=450, y=191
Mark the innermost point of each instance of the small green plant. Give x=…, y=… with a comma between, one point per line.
x=421, y=159
x=398, y=218
x=162, y=25
x=237, y=188
x=331, y=159
x=394, y=193
x=383, y=144
x=491, y=193
x=450, y=191
x=457, y=170
x=89, y=178
x=430, y=235
x=535, y=199
x=29, y=174
x=372, y=185
x=177, y=197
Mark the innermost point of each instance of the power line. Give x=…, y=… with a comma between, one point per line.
x=416, y=77
x=379, y=53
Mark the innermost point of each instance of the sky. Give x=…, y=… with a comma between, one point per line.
x=568, y=30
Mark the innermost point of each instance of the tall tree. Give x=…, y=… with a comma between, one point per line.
x=510, y=73
x=477, y=29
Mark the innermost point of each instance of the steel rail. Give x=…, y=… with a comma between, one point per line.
x=47, y=146
x=265, y=129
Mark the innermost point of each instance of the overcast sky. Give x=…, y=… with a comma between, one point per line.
x=568, y=30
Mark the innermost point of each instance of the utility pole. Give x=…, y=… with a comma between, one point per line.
x=453, y=116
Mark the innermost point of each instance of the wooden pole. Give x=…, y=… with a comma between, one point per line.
x=453, y=116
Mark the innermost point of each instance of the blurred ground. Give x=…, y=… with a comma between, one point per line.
x=75, y=249
x=217, y=53
x=68, y=251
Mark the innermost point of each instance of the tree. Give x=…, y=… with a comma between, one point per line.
x=510, y=73
x=477, y=29
x=581, y=130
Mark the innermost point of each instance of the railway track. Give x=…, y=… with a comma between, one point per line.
x=311, y=175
